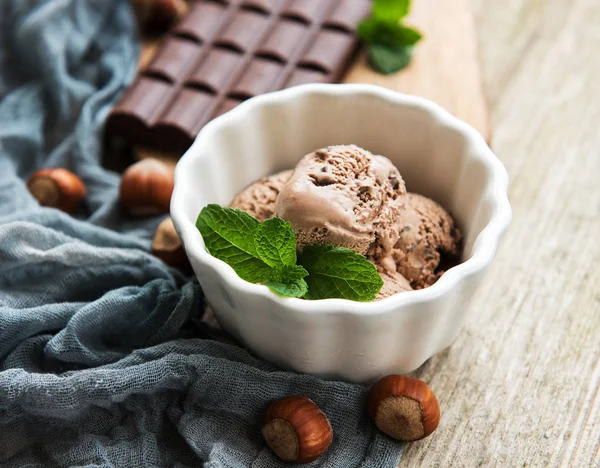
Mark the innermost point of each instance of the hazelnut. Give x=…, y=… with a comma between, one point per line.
x=296, y=429
x=167, y=246
x=57, y=188
x=403, y=408
x=156, y=16
x=146, y=188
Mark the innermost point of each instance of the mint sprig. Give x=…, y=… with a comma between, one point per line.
x=265, y=253
x=339, y=272
x=389, y=44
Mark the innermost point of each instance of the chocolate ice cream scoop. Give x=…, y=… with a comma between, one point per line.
x=258, y=199
x=393, y=283
x=342, y=195
x=427, y=243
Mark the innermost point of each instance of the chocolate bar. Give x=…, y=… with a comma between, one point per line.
x=224, y=52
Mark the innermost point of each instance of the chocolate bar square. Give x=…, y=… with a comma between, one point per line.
x=226, y=51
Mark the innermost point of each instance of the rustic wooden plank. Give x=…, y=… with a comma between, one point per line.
x=521, y=386
x=445, y=67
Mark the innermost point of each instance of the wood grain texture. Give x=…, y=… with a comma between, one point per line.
x=521, y=385
x=445, y=67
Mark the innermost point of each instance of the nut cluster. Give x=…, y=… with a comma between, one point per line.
x=146, y=188
x=297, y=431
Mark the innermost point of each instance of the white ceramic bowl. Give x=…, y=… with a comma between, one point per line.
x=438, y=156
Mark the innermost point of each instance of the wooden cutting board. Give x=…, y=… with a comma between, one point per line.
x=445, y=66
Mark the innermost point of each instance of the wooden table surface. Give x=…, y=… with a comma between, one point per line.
x=521, y=385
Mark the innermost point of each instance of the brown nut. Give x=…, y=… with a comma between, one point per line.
x=296, y=429
x=156, y=16
x=146, y=188
x=167, y=246
x=403, y=408
x=57, y=188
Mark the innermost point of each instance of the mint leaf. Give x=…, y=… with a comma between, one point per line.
x=390, y=10
x=288, y=280
x=275, y=242
x=337, y=272
x=235, y=225
x=229, y=236
x=406, y=36
x=389, y=43
x=387, y=60
x=367, y=30
x=373, y=31
x=266, y=253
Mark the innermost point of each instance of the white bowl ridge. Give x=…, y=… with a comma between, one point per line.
x=438, y=156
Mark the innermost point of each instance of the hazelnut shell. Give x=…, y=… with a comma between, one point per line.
x=58, y=188
x=296, y=429
x=146, y=188
x=167, y=246
x=403, y=408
